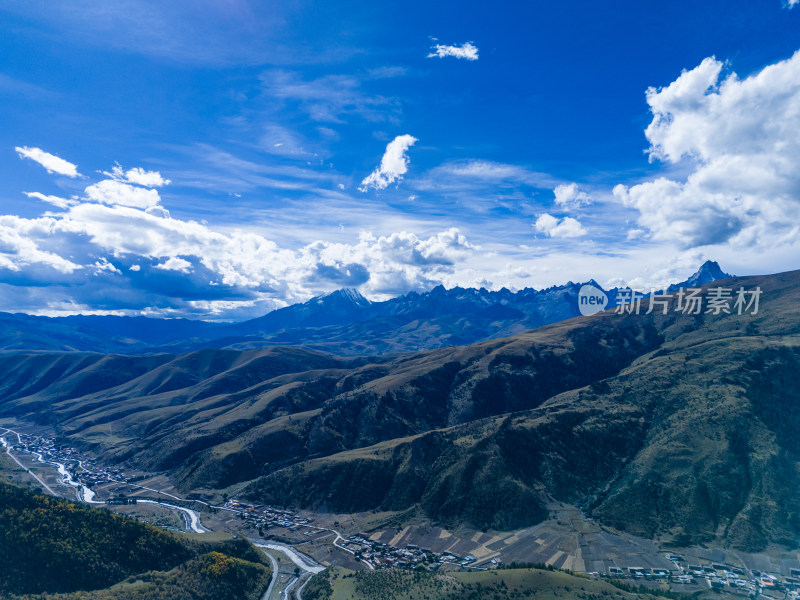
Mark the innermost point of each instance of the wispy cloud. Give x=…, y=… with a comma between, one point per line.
x=474, y=173
x=331, y=98
x=17, y=87
x=394, y=164
x=222, y=171
x=54, y=200
x=467, y=51
x=214, y=33
x=51, y=162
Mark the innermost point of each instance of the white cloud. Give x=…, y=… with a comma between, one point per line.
x=231, y=272
x=792, y=3
x=54, y=200
x=19, y=248
x=394, y=164
x=138, y=176
x=477, y=186
x=175, y=264
x=467, y=50
x=51, y=162
x=329, y=99
x=146, y=178
x=113, y=192
x=158, y=211
x=483, y=169
x=739, y=139
x=104, y=265
x=569, y=197
x=565, y=228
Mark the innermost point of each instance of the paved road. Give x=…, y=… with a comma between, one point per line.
x=273, y=580
x=338, y=537
x=193, y=520
x=306, y=565
x=300, y=589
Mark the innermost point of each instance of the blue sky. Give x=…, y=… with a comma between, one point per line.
x=221, y=158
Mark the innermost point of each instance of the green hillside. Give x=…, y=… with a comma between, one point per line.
x=51, y=546
x=341, y=584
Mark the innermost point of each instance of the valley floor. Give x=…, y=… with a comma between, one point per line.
x=567, y=541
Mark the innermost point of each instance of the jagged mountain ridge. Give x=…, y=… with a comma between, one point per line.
x=343, y=322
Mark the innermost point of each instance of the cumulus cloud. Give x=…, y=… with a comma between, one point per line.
x=104, y=265
x=738, y=138
x=394, y=164
x=559, y=228
x=51, y=162
x=116, y=248
x=158, y=211
x=19, y=249
x=467, y=51
x=569, y=196
x=175, y=263
x=138, y=176
x=113, y=192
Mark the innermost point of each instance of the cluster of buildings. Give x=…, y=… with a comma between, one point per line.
x=380, y=555
x=715, y=576
x=718, y=577
x=376, y=554
x=264, y=517
x=83, y=469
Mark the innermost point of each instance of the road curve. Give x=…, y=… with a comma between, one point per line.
x=304, y=562
x=194, y=518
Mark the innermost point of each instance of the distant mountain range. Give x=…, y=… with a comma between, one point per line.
x=343, y=322
x=673, y=425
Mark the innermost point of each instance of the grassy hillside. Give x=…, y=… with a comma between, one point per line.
x=662, y=424
x=341, y=584
x=49, y=545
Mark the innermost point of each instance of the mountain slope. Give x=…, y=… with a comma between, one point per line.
x=693, y=441
x=672, y=424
